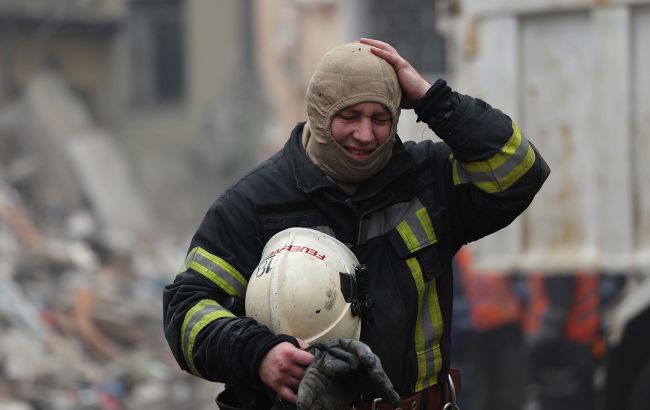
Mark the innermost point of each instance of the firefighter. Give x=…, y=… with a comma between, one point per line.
x=403, y=209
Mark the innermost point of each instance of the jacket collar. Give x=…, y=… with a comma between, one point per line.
x=310, y=178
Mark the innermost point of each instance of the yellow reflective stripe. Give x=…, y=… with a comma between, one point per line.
x=214, y=278
x=490, y=186
x=454, y=171
x=417, y=230
x=428, y=329
x=198, y=317
x=519, y=170
x=416, y=272
x=500, y=171
x=408, y=236
x=425, y=221
x=224, y=265
x=226, y=277
x=498, y=159
x=512, y=177
x=436, y=321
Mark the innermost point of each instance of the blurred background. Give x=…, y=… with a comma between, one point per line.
x=122, y=120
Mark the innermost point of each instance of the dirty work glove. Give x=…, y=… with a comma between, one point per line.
x=342, y=369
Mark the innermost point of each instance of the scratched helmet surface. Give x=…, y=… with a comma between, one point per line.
x=296, y=287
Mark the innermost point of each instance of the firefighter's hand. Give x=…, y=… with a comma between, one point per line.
x=339, y=372
x=414, y=86
x=283, y=367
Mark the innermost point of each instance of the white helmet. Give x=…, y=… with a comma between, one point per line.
x=296, y=288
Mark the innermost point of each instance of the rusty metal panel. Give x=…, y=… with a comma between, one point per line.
x=610, y=105
x=556, y=78
x=573, y=77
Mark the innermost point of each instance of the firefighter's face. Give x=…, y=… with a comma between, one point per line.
x=361, y=128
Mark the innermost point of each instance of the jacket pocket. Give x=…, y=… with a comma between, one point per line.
x=416, y=236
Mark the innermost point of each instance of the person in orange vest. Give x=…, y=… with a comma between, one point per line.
x=562, y=326
x=494, y=353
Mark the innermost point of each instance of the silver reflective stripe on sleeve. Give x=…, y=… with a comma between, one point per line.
x=217, y=270
x=197, y=318
x=499, y=172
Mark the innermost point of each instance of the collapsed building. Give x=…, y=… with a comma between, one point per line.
x=82, y=266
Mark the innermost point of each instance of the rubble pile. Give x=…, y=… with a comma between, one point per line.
x=82, y=267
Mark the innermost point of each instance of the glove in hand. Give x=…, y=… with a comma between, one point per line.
x=342, y=369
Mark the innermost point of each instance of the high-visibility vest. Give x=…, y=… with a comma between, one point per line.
x=582, y=321
x=492, y=301
x=537, y=304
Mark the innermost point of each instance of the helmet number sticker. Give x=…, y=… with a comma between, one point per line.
x=265, y=267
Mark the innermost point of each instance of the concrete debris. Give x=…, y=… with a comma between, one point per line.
x=49, y=117
x=12, y=211
x=23, y=313
x=103, y=172
x=81, y=270
x=23, y=357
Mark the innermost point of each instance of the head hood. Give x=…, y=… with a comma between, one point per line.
x=347, y=75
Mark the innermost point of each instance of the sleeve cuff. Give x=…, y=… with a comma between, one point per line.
x=435, y=104
x=259, y=349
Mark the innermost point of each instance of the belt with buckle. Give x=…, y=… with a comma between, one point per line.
x=431, y=398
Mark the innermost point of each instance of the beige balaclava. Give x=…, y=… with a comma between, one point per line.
x=347, y=75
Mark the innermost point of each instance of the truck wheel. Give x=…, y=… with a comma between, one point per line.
x=640, y=391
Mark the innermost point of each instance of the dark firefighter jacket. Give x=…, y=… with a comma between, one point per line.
x=405, y=223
